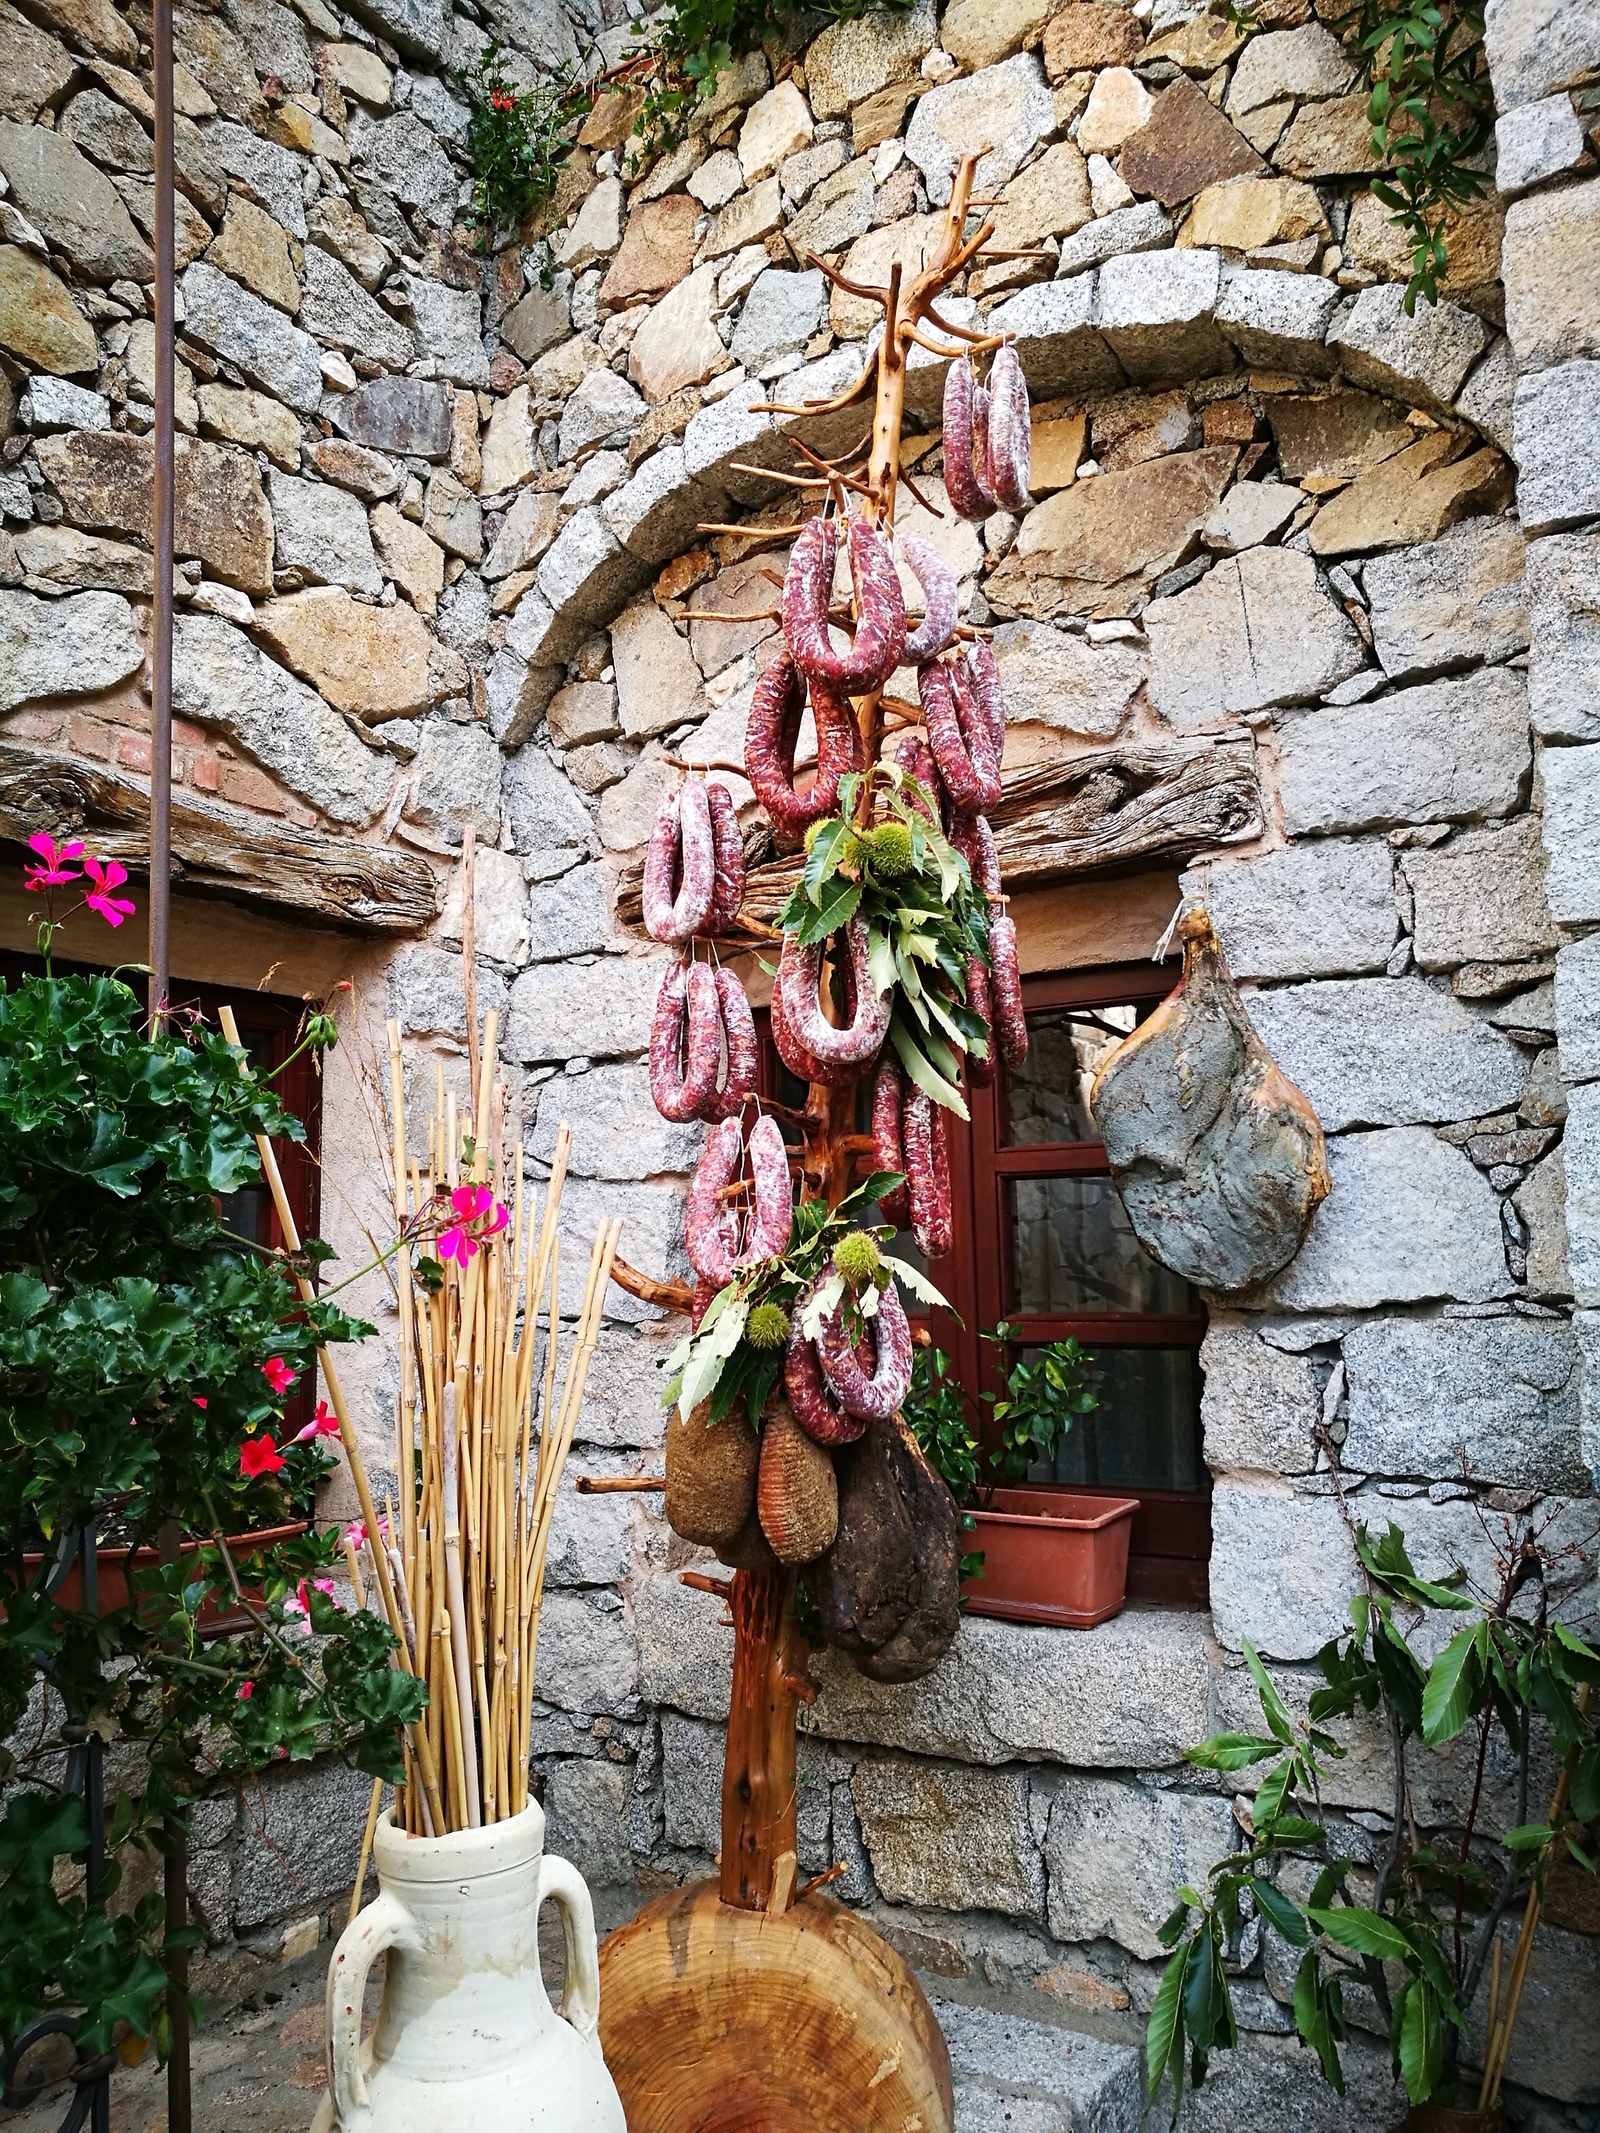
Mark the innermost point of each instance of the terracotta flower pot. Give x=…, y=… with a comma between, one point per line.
x=1051, y=1556
x=112, y=1567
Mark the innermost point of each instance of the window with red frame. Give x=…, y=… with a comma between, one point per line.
x=1042, y=1243
x=269, y=1027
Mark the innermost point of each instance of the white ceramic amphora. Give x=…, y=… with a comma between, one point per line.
x=466, y=2039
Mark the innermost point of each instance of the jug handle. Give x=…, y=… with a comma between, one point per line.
x=566, y=1888
x=385, y=1923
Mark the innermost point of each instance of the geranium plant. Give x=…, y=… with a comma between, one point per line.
x=145, y=1358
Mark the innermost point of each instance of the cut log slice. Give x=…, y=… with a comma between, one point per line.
x=717, y=2020
x=1218, y=1157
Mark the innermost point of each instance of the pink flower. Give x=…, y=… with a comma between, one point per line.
x=298, y=1604
x=53, y=873
x=277, y=1374
x=356, y=1534
x=259, y=1455
x=473, y=1205
x=246, y=1690
x=199, y=1402
x=324, y=1423
x=106, y=877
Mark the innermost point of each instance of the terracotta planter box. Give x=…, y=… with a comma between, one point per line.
x=1051, y=1556
x=111, y=1574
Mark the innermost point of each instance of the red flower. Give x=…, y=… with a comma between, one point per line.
x=199, y=1402
x=53, y=873
x=277, y=1374
x=324, y=1423
x=106, y=877
x=259, y=1455
x=246, y=1690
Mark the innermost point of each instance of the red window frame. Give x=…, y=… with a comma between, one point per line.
x=1171, y=1542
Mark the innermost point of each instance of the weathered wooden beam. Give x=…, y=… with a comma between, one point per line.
x=217, y=850
x=1104, y=811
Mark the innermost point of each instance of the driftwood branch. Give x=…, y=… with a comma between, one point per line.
x=217, y=850
x=1106, y=810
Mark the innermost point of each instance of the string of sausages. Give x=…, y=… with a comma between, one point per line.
x=987, y=437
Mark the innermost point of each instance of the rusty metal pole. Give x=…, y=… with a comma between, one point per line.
x=176, y=1874
x=160, y=953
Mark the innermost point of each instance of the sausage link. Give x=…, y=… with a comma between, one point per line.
x=874, y=1397
x=983, y=677
x=887, y=1152
x=727, y=845
x=807, y=590
x=704, y=1294
x=928, y=1171
x=678, y=889
x=1010, y=1023
x=915, y=757
x=840, y=747
x=982, y=735
x=982, y=472
x=681, y=1094
x=813, y=1407
x=862, y=1038
x=801, y=1062
x=959, y=736
x=771, y=733
x=974, y=840
x=1010, y=437
x=774, y=1194
x=710, y=1227
x=980, y=1072
x=739, y=1038
x=966, y=498
x=940, y=595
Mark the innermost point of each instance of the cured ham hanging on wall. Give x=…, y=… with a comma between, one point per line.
x=1218, y=1157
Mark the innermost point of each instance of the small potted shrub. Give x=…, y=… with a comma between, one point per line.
x=1040, y=1554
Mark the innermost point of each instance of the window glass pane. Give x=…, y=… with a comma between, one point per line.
x=248, y=1213
x=1047, y=1098
x=1145, y=1433
x=1073, y=1249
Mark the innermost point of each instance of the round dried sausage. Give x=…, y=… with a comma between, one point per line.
x=710, y=1227
x=959, y=735
x=739, y=1038
x=1010, y=1023
x=940, y=600
x=814, y=1408
x=862, y=1037
x=966, y=498
x=678, y=887
x=880, y=632
x=928, y=1174
x=1010, y=438
x=875, y=1396
x=727, y=892
x=688, y=992
x=887, y=1152
x=773, y=1193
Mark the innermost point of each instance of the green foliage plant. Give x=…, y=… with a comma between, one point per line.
x=1041, y=1402
x=926, y=921
x=517, y=140
x=1416, y=1927
x=145, y=1357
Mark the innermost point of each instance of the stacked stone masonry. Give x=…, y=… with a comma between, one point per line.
x=437, y=523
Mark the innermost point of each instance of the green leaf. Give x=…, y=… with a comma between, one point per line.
x=1231, y=1751
x=920, y=1286
x=1163, y=2037
x=1586, y=1786
x=922, y=1074
x=1452, y=1681
x=831, y=841
x=1274, y=1709
x=1364, y=1932
x=1421, y=2040
x=1530, y=1837
x=711, y=1351
x=1280, y=1913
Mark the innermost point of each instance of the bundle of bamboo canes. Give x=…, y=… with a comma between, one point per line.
x=478, y=1263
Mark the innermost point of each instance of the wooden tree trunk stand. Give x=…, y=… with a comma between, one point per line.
x=730, y=2006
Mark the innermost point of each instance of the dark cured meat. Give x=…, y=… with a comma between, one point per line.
x=980, y=1072
x=982, y=472
x=727, y=891
x=915, y=757
x=940, y=600
x=872, y=1391
x=861, y=1039
x=887, y=1153
x=1010, y=1023
x=793, y=1053
x=880, y=632
x=773, y=1194
x=966, y=498
x=678, y=886
x=1010, y=437
x=772, y=733
x=888, y=1588
x=983, y=676
x=927, y=1174
x=739, y=1036
x=814, y=1407
x=682, y=1095
x=959, y=735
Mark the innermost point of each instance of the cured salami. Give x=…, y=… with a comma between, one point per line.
x=983, y=677
x=710, y=1226
x=1010, y=1023
x=680, y=865
x=960, y=483
x=739, y=1039
x=880, y=632
x=815, y=1409
x=1010, y=436
x=861, y=1039
x=727, y=844
x=927, y=1174
x=772, y=733
x=916, y=759
x=688, y=994
x=982, y=473
x=980, y=1071
x=887, y=1151
x=959, y=735
x=940, y=599
x=833, y=1074
x=773, y=1194
x=872, y=1395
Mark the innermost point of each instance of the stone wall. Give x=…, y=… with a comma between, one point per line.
x=437, y=530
